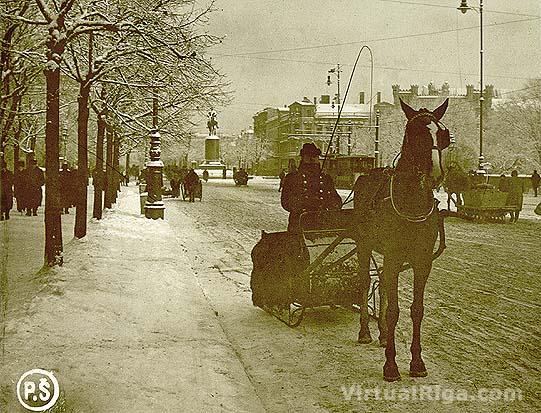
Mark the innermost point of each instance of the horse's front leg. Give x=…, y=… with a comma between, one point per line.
x=390, y=286
x=363, y=255
x=420, y=276
x=382, y=317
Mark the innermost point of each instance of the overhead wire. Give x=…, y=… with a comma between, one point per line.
x=399, y=37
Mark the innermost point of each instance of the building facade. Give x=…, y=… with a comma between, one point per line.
x=287, y=128
x=432, y=96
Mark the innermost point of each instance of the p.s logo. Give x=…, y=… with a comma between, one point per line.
x=38, y=390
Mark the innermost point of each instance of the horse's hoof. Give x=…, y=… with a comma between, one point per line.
x=418, y=369
x=391, y=373
x=392, y=378
x=364, y=338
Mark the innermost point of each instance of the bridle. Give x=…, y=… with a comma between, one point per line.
x=442, y=142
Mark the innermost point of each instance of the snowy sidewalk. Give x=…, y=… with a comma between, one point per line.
x=125, y=327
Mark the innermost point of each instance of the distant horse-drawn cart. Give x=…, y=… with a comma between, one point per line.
x=486, y=203
x=197, y=189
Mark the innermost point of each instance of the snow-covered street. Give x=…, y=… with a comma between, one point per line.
x=480, y=328
x=156, y=316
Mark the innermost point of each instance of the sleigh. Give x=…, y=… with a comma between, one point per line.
x=313, y=268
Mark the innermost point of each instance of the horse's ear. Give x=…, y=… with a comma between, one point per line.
x=440, y=110
x=407, y=109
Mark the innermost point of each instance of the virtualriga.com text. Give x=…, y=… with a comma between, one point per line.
x=436, y=393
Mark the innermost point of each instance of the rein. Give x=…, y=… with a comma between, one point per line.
x=422, y=217
x=410, y=218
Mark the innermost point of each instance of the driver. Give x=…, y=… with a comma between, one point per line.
x=308, y=188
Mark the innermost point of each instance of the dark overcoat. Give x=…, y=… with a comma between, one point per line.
x=307, y=190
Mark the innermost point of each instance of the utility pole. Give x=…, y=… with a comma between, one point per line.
x=376, y=142
x=336, y=70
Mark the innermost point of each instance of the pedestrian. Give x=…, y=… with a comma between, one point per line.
x=6, y=191
x=281, y=176
x=308, y=188
x=515, y=195
x=175, y=187
x=535, y=178
x=206, y=175
x=19, y=188
x=190, y=183
x=503, y=183
x=34, y=181
x=67, y=188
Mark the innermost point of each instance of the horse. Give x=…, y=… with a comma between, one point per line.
x=212, y=124
x=456, y=183
x=397, y=216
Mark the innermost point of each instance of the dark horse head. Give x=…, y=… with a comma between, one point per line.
x=419, y=168
x=418, y=146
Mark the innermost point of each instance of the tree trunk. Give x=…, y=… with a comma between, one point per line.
x=98, y=170
x=109, y=170
x=82, y=162
x=127, y=168
x=53, y=222
x=16, y=155
x=116, y=167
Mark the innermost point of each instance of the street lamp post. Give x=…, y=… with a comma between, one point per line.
x=464, y=8
x=154, y=206
x=376, y=142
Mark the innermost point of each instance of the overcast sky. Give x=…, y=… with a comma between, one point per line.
x=278, y=51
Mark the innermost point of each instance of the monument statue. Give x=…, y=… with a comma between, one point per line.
x=212, y=123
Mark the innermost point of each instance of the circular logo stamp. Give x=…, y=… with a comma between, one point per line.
x=38, y=390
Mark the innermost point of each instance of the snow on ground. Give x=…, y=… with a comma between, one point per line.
x=125, y=326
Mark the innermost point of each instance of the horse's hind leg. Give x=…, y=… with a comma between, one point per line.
x=421, y=272
x=364, y=285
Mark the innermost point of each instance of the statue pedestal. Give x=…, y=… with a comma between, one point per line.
x=212, y=157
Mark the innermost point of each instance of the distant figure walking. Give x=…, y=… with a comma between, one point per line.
x=281, y=176
x=515, y=195
x=503, y=183
x=19, y=187
x=206, y=175
x=535, y=178
x=67, y=188
x=34, y=179
x=175, y=187
x=6, y=191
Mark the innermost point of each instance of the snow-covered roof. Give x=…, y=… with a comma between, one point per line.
x=349, y=110
x=302, y=103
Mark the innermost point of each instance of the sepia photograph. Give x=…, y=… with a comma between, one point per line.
x=270, y=206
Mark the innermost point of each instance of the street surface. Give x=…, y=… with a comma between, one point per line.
x=156, y=316
x=480, y=328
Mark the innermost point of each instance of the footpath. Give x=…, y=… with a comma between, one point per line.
x=124, y=326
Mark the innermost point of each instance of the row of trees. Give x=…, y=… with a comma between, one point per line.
x=119, y=56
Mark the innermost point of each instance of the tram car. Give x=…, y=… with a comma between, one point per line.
x=345, y=169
